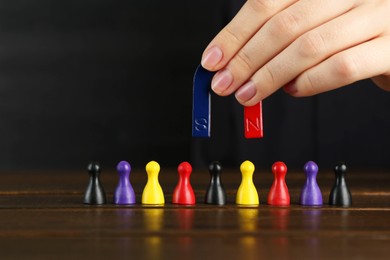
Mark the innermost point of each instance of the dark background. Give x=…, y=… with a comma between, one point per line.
x=112, y=80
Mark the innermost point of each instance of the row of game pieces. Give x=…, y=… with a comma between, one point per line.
x=183, y=193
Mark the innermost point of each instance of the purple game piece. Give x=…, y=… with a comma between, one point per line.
x=124, y=192
x=311, y=194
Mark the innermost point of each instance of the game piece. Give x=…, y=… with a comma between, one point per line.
x=183, y=192
x=153, y=193
x=124, y=192
x=201, y=102
x=94, y=194
x=215, y=193
x=247, y=193
x=253, y=121
x=340, y=194
x=278, y=194
x=311, y=194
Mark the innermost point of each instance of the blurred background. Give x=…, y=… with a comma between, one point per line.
x=112, y=80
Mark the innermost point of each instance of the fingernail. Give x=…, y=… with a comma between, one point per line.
x=221, y=81
x=291, y=87
x=246, y=92
x=211, y=57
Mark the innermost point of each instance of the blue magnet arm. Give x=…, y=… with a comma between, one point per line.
x=201, y=103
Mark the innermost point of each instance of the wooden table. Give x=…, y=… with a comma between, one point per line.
x=42, y=217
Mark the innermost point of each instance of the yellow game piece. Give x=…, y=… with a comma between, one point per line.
x=247, y=193
x=153, y=193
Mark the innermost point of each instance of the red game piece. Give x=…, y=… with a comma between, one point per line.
x=253, y=121
x=183, y=192
x=278, y=194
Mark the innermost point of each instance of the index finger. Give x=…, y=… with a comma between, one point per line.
x=252, y=16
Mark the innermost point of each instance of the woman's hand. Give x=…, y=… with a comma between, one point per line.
x=306, y=47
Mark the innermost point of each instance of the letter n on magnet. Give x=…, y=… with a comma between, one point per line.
x=253, y=121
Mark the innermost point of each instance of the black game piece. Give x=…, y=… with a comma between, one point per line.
x=215, y=193
x=340, y=194
x=94, y=194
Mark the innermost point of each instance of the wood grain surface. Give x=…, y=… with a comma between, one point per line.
x=42, y=217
